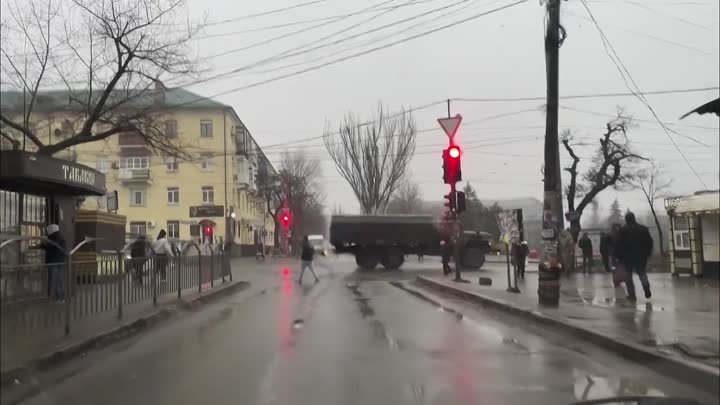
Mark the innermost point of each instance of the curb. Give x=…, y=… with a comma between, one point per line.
x=697, y=375
x=126, y=330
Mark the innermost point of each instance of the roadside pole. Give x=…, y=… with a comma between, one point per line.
x=552, y=196
x=452, y=173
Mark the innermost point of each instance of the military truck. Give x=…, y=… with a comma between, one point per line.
x=386, y=239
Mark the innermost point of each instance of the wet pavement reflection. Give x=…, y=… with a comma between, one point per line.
x=350, y=339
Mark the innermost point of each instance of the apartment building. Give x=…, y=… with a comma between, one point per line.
x=207, y=196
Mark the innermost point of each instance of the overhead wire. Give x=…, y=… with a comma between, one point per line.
x=622, y=69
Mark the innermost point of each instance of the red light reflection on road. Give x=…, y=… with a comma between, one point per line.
x=462, y=374
x=285, y=309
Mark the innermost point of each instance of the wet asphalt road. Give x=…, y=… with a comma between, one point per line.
x=350, y=339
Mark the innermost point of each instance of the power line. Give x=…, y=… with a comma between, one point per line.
x=634, y=119
x=589, y=95
x=297, y=51
x=615, y=58
x=264, y=13
x=653, y=37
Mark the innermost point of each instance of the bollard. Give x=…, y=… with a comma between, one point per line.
x=548, y=285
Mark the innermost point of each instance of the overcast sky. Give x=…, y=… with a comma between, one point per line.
x=665, y=45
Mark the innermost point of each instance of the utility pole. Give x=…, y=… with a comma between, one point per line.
x=553, y=222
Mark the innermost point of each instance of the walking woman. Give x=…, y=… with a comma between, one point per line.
x=307, y=259
x=162, y=248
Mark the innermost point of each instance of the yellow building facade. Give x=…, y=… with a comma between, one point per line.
x=208, y=195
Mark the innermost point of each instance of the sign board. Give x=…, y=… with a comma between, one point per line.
x=207, y=211
x=510, y=225
x=112, y=201
x=450, y=125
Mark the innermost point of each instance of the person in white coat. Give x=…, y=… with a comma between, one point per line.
x=162, y=249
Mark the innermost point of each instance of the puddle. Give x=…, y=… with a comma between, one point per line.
x=588, y=386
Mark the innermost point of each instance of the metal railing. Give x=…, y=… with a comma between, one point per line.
x=38, y=296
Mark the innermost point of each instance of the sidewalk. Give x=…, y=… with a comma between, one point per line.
x=681, y=321
x=47, y=343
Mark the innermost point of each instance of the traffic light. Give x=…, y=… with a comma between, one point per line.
x=285, y=218
x=460, y=201
x=452, y=171
x=451, y=202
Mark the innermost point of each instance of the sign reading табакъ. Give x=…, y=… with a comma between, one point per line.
x=78, y=175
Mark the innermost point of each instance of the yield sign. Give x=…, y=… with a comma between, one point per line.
x=450, y=125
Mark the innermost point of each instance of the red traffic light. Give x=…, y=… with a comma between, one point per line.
x=454, y=152
x=286, y=218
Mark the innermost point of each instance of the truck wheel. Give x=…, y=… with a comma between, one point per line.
x=393, y=258
x=367, y=260
x=473, y=258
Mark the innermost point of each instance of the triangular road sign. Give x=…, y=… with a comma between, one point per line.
x=450, y=125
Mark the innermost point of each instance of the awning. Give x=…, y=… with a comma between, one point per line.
x=699, y=203
x=39, y=174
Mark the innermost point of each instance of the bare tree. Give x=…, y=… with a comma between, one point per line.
x=608, y=168
x=110, y=57
x=373, y=156
x=296, y=187
x=650, y=181
x=406, y=199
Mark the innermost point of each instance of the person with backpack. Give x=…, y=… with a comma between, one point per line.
x=306, y=258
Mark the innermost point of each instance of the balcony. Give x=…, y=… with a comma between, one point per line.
x=241, y=181
x=131, y=139
x=134, y=176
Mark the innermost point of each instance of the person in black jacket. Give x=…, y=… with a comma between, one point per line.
x=307, y=259
x=520, y=256
x=585, y=245
x=55, y=256
x=138, y=256
x=633, y=247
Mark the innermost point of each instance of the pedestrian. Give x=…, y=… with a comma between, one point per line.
x=162, y=249
x=585, y=245
x=521, y=253
x=259, y=251
x=605, y=247
x=421, y=252
x=614, y=231
x=306, y=258
x=632, y=249
x=55, y=257
x=446, y=252
x=567, y=252
x=137, y=257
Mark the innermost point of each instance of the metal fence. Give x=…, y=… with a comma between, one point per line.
x=38, y=296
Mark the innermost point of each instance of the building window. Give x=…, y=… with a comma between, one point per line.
x=173, y=195
x=171, y=163
x=681, y=233
x=135, y=162
x=206, y=162
x=208, y=195
x=173, y=229
x=137, y=229
x=137, y=197
x=206, y=128
x=102, y=165
x=171, y=128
